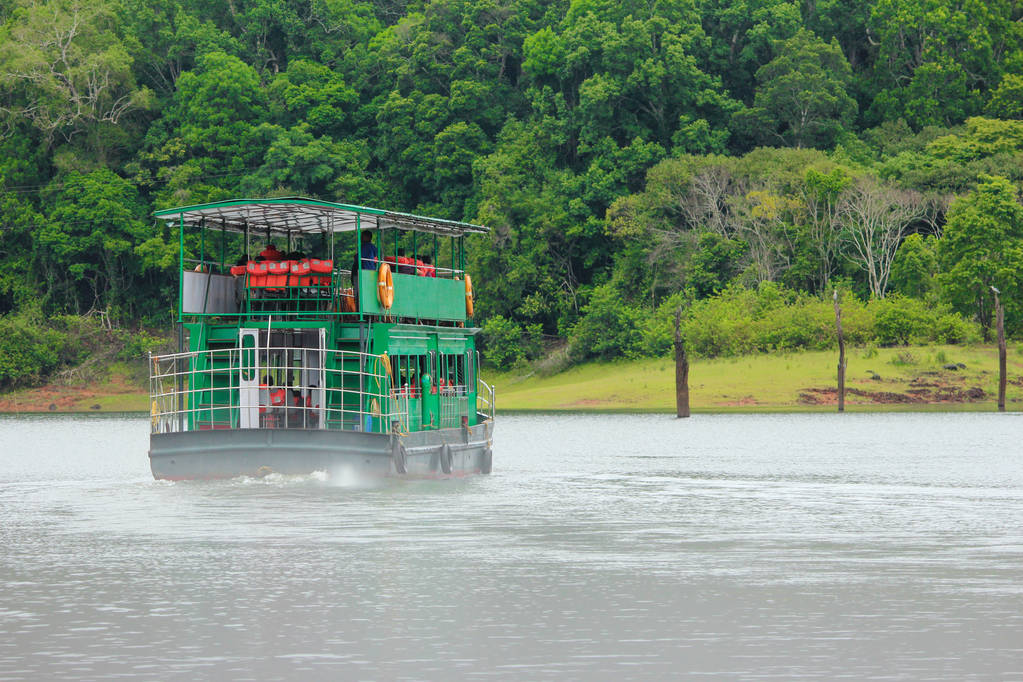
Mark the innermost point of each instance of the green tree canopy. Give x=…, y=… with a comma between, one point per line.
x=801, y=99
x=982, y=246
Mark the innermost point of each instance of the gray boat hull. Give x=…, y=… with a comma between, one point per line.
x=229, y=453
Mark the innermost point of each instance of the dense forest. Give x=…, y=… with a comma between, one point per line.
x=739, y=158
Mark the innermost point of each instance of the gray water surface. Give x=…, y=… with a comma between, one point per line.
x=602, y=547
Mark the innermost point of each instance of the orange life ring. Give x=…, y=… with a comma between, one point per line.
x=385, y=286
x=468, y=295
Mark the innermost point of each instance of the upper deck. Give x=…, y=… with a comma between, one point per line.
x=228, y=270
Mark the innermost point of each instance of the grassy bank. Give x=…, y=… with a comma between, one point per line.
x=907, y=378
x=119, y=387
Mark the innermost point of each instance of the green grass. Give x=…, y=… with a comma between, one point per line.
x=758, y=383
x=766, y=383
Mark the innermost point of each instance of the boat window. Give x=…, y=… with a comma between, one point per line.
x=406, y=371
x=452, y=371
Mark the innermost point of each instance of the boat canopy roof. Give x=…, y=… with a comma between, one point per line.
x=291, y=215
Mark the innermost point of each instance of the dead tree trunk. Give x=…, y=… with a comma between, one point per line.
x=681, y=370
x=841, y=355
x=1000, y=321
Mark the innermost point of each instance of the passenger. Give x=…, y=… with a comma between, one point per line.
x=312, y=410
x=295, y=412
x=271, y=252
x=277, y=396
x=368, y=254
x=405, y=264
x=368, y=251
x=428, y=269
x=420, y=267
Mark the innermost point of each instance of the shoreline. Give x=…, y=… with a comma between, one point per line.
x=888, y=380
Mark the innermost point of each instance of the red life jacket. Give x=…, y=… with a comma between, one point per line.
x=277, y=397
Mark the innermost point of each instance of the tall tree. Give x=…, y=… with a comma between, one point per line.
x=937, y=59
x=801, y=100
x=875, y=218
x=742, y=35
x=982, y=246
x=85, y=248
x=623, y=71
x=66, y=67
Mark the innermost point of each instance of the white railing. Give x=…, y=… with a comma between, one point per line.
x=485, y=403
x=272, y=387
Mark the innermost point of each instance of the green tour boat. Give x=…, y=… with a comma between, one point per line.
x=317, y=336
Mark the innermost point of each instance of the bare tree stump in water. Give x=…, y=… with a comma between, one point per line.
x=1000, y=317
x=841, y=355
x=681, y=370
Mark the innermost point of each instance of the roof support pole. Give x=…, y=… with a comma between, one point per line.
x=357, y=273
x=181, y=266
x=380, y=246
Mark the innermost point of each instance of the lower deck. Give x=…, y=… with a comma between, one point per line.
x=371, y=378
x=189, y=455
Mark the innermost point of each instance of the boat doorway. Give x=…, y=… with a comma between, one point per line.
x=281, y=378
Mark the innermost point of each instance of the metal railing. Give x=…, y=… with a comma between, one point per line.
x=286, y=387
x=485, y=403
x=274, y=387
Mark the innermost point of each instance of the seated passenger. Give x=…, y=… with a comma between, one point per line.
x=312, y=414
x=271, y=252
x=428, y=270
x=405, y=264
x=296, y=416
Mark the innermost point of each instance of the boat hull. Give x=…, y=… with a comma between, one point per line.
x=229, y=453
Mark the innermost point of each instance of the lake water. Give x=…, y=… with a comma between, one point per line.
x=602, y=547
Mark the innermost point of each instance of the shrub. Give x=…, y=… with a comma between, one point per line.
x=741, y=320
x=899, y=321
x=139, y=344
x=608, y=329
x=502, y=342
x=29, y=351
x=953, y=328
